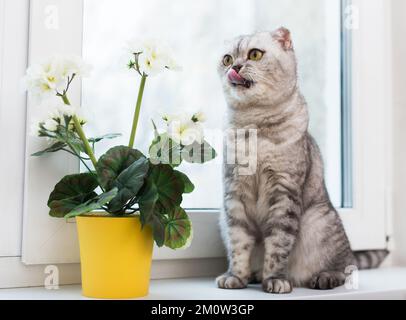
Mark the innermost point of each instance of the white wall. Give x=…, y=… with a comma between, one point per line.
x=399, y=129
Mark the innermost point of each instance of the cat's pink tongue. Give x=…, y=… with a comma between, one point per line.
x=234, y=77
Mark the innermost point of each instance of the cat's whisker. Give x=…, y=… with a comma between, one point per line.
x=255, y=77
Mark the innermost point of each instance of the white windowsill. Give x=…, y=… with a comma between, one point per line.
x=388, y=283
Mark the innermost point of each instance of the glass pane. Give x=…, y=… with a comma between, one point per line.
x=197, y=30
x=346, y=105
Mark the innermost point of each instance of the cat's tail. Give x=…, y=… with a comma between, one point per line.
x=370, y=259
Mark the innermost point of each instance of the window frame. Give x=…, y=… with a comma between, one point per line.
x=366, y=222
x=13, y=55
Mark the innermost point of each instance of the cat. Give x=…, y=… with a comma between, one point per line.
x=279, y=225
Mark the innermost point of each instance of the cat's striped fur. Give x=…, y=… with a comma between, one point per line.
x=278, y=224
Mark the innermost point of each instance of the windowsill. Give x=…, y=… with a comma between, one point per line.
x=388, y=283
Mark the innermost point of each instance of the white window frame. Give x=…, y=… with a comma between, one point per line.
x=47, y=240
x=367, y=223
x=13, y=50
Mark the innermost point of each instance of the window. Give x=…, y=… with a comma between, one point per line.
x=198, y=41
x=350, y=128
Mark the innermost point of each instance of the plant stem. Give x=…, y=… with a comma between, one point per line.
x=82, y=136
x=73, y=152
x=81, y=133
x=137, y=111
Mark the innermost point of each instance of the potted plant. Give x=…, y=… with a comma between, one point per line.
x=126, y=200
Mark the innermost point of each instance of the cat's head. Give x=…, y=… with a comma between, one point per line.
x=259, y=69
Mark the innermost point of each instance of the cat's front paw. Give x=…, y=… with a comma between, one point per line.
x=229, y=281
x=275, y=285
x=327, y=280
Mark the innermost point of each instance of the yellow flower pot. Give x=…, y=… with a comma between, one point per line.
x=115, y=257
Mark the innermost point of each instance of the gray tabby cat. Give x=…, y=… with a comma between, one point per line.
x=278, y=224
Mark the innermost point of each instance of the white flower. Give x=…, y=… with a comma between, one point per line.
x=35, y=128
x=51, y=125
x=48, y=78
x=199, y=117
x=43, y=80
x=171, y=63
x=134, y=46
x=151, y=64
x=56, y=109
x=182, y=117
x=195, y=117
x=184, y=131
x=75, y=65
x=153, y=56
x=48, y=123
x=65, y=110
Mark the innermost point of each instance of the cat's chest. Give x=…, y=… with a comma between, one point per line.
x=259, y=158
x=276, y=157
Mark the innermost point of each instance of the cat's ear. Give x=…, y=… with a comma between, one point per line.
x=283, y=36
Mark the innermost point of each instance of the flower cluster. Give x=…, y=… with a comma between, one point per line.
x=59, y=114
x=185, y=129
x=53, y=78
x=151, y=57
x=54, y=75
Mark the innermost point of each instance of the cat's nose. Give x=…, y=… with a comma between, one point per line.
x=237, y=67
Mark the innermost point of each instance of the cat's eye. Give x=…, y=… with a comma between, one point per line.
x=255, y=55
x=228, y=60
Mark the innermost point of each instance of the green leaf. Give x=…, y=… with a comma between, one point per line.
x=161, y=192
x=148, y=202
x=70, y=137
x=114, y=162
x=73, y=185
x=54, y=148
x=65, y=138
x=169, y=188
x=128, y=183
x=70, y=192
x=159, y=202
x=93, y=204
x=178, y=229
x=60, y=208
x=158, y=230
x=189, y=186
x=106, y=136
x=156, y=133
x=164, y=150
x=198, y=153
